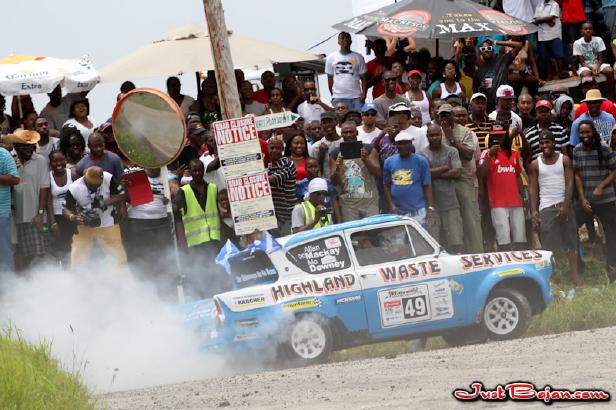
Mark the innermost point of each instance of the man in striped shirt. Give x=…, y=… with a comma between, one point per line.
x=594, y=164
x=282, y=172
x=543, y=110
x=481, y=125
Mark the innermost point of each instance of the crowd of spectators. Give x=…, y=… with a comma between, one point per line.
x=468, y=147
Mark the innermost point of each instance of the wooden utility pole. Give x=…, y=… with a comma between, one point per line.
x=223, y=64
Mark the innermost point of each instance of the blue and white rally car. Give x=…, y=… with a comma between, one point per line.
x=377, y=279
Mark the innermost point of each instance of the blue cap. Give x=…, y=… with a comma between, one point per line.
x=369, y=106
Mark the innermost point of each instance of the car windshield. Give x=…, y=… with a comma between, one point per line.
x=252, y=269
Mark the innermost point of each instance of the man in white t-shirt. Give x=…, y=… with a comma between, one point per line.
x=367, y=131
x=346, y=74
x=520, y=9
x=313, y=106
x=505, y=97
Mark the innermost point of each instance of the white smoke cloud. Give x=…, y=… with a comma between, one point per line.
x=108, y=325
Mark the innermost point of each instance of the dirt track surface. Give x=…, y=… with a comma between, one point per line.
x=422, y=380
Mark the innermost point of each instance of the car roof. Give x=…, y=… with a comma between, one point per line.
x=294, y=239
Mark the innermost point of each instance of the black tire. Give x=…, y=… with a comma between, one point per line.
x=314, y=346
x=506, y=314
x=464, y=336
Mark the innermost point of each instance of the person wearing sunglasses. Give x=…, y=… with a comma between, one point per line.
x=494, y=71
x=313, y=106
x=391, y=97
x=368, y=131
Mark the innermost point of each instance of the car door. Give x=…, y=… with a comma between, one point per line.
x=323, y=269
x=403, y=284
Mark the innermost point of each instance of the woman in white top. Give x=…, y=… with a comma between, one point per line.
x=450, y=84
x=418, y=97
x=79, y=118
x=61, y=228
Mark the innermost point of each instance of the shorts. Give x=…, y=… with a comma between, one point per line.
x=509, y=224
x=582, y=69
x=418, y=215
x=551, y=49
x=558, y=235
x=452, y=230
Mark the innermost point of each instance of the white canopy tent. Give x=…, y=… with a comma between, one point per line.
x=187, y=50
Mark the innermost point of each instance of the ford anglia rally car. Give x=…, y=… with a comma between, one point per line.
x=377, y=279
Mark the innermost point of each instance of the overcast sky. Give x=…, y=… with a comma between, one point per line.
x=111, y=29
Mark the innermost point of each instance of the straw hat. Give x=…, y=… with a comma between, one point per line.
x=22, y=137
x=593, y=95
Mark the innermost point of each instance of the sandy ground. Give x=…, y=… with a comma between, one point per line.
x=421, y=380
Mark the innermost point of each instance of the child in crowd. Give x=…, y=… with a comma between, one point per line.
x=550, y=45
x=589, y=52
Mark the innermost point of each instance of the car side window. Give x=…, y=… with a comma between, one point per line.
x=419, y=243
x=320, y=256
x=381, y=245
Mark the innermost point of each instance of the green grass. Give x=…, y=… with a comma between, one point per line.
x=31, y=379
x=591, y=307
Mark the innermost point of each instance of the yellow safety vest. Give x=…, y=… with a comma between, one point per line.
x=201, y=226
x=310, y=210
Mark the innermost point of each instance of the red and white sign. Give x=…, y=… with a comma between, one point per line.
x=251, y=203
x=238, y=146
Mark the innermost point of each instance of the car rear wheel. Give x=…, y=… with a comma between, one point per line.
x=466, y=336
x=309, y=340
x=506, y=314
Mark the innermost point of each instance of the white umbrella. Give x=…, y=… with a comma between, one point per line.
x=21, y=74
x=187, y=49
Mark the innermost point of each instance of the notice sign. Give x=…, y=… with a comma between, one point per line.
x=251, y=203
x=238, y=146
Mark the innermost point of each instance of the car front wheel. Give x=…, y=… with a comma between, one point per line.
x=506, y=314
x=309, y=340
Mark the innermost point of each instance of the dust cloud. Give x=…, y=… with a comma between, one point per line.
x=108, y=326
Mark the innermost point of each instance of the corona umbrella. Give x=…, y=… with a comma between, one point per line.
x=23, y=74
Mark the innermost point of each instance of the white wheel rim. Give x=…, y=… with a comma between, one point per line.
x=501, y=316
x=308, y=339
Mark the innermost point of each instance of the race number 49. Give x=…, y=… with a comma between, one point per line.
x=415, y=307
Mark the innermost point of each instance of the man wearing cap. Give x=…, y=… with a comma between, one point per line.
x=355, y=178
x=604, y=122
x=505, y=98
x=390, y=97
x=346, y=74
x=325, y=146
x=543, y=109
x=445, y=169
x=407, y=182
x=480, y=123
x=98, y=156
x=313, y=106
x=9, y=177
x=551, y=191
x=90, y=203
x=495, y=70
x=464, y=142
x=367, y=131
x=587, y=84
x=404, y=113
x=312, y=213
x=502, y=167
x=30, y=198
x=193, y=146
